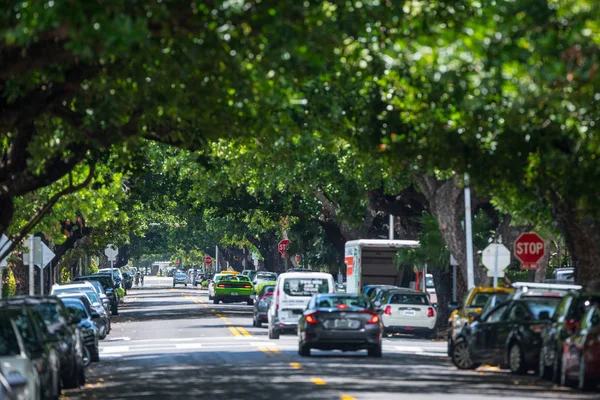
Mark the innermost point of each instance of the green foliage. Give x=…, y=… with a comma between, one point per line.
x=204, y=285
x=9, y=283
x=120, y=292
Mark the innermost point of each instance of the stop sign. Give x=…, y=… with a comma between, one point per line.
x=208, y=260
x=529, y=248
x=283, y=245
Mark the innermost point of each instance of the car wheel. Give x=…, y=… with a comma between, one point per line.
x=303, y=350
x=81, y=376
x=186, y=285
x=273, y=334
x=584, y=382
x=516, y=360
x=461, y=355
x=258, y=323
x=250, y=302
x=87, y=358
x=95, y=354
x=216, y=300
x=375, y=351
x=449, y=346
x=72, y=381
x=543, y=370
x=431, y=335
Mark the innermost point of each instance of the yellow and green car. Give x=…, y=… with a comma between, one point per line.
x=232, y=289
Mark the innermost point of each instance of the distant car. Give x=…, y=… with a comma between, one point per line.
x=566, y=275
x=102, y=293
x=109, y=286
x=230, y=288
x=180, y=279
x=376, y=292
x=581, y=361
x=508, y=335
x=16, y=366
x=430, y=287
x=565, y=322
x=117, y=274
x=82, y=315
x=340, y=322
x=261, y=305
x=250, y=273
x=264, y=276
x=407, y=311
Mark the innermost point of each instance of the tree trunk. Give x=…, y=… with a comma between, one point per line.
x=442, y=279
x=582, y=235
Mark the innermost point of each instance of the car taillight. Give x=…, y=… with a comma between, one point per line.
x=310, y=318
x=342, y=306
x=538, y=328
x=430, y=312
x=248, y=287
x=374, y=319
x=265, y=296
x=388, y=310
x=221, y=285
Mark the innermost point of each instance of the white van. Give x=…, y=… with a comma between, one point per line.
x=292, y=293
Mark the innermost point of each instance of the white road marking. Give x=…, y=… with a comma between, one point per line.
x=188, y=345
x=114, y=349
x=409, y=349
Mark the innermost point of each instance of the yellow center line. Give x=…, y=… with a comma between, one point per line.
x=234, y=331
x=347, y=397
x=227, y=322
x=218, y=315
x=266, y=351
x=295, y=365
x=275, y=350
x=244, y=332
x=318, y=381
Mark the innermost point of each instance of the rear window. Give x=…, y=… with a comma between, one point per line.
x=537, y=305
x=342, y=302
x=233, y=278
x=305, y=286
x=408, y=298
x=480, y=299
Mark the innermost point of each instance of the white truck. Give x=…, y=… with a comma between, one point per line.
x=372, y=262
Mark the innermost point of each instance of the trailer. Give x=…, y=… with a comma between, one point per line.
x=372, y=262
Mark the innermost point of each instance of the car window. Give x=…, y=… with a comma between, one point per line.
x=305, y=286
x=480, y=299
x=26, y=329
x=49, y=313
x=496, y=314
x=342, y=302
x=77, y=309
x=538, y=305
x=408, y=298
x=266, y=289
x=9, y=345
x=234, y=278
x=519, y=312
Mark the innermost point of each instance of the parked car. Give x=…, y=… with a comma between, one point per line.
x=116, y=274
x=180, y=279
x=407, y=311
x=20, y=376
x=40, y=349
x=581, y=360
x=471, y=306
x=261, y=304
x=376, y=292
x=83, y=316
x=86, y=288
x=564, y=275
x=109, y=286
x=63, y=331
x=565, y=323
x=340, y=322
x=293, y=291
x=96, y=313
x=102, y=293
x=509, y=335
x=250, y=273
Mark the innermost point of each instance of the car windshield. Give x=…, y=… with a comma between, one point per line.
x=341, y=302
x=305, y=286
x=89, y=292
x=234, y=278
x=76, y=308
x=180, y=275
x=9, y=345
x=266, y=277
x=480, y=299
x=537, y=305
x=408, y=298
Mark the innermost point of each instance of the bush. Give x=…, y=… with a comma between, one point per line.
x=9, y=283
x=120, y=292
x=204, y=285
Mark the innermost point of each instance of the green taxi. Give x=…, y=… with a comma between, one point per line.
x=233, y=288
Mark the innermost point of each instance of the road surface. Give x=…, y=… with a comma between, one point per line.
x=173, y=343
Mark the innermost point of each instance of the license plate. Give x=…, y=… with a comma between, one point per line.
x=234, y=293
x=345, y=324
x=409, y=313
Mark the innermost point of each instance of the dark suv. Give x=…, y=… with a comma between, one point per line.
x=109, y=287
x=565, y=322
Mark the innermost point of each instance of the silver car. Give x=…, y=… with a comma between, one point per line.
x=180, y=279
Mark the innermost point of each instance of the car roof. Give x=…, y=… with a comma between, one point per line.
x=304, y=275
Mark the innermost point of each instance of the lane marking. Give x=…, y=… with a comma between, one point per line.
x=234, y=331
x=275, y=350
x=347, y=397
x=266, y=351
x=295, y=365
x=244, y=332
x=188, y=346
x=318, y=381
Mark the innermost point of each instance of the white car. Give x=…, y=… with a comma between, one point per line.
x=211, y=286
x=408, y=311
x=21, y=379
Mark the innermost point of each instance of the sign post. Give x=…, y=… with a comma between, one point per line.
x=496, y=257
x=529, y=248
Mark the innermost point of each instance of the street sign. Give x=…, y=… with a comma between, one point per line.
x=5, y=243
x=208, y=260
x=529, y=248
x=111, y=251
x=283, y=245
x=496, y=257
x=47, y=256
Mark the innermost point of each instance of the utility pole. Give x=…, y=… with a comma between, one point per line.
x=468, y=228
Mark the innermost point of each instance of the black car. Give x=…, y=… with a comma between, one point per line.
x=564, y=323
x=109, y=286
x=39, y=347
x=508, y=335
x=61, y=329
x=262, y=304
x=340, y=322
x=83, y=316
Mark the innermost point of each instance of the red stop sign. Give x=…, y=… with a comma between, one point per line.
x=529, y=248
x=208, y=260
x=283, y=245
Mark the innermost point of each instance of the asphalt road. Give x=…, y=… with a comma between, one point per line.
x=173, y=343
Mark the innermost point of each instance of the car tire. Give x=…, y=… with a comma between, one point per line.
x=95, y=354
x=461, y=355
x=258, y=324
x=81, y=376
x=450, y=345
x=273, y=334
x=584, y=382
x=114, y=308
x=216, y=300
x=516, y=359
x=543, y=371
x=185, y=284
x=375, y=351
x=431, y=335
x=250, y=302
x=303, y=350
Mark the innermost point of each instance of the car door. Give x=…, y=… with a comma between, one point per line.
x=516, y=317
x=484, y=334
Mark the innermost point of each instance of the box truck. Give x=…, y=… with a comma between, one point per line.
x=372, y=262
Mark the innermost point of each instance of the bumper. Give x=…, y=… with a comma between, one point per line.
x=330, y=339
x=409, y=330
x=262, y=316
x=233, y=298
